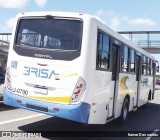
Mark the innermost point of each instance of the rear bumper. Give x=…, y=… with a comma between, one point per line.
x=79, y=112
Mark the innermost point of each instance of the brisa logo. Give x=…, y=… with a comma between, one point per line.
x=42, y=73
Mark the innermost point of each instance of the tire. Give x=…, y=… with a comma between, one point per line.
x=124, y=111
x=149, y=99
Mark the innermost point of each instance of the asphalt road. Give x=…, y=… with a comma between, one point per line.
x=14, y=119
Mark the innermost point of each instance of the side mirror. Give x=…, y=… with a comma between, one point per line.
x=157, y=66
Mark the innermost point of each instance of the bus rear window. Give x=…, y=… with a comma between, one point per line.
x=49, y=37
x=49, y=33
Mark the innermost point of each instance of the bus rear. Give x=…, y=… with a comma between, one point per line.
x=42, y=73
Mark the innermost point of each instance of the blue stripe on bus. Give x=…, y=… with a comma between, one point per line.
x=78, y=112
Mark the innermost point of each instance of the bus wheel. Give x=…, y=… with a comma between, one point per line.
x=124, y=111
x=149, y=99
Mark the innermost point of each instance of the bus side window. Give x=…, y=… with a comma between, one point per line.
x=144, y=65
x=132, y=61
x=125, y=65
x=150, y=67
x=103, y=51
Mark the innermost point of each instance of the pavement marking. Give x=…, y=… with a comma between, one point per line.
x=20, y=119
x=154, y=132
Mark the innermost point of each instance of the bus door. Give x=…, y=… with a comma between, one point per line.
x=115, y=75
x=138, y=79
x=155, y=68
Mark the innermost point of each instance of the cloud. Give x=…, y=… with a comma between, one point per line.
x=140, y=21
x=13, y=3
x=20, y=4
x=101, y=12
x=98, y=18
x=40, y=3
x=118, y=21
x=115, y=23
x=10, y=23
x=111, y=17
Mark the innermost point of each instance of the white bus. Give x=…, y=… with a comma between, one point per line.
x=73, y=66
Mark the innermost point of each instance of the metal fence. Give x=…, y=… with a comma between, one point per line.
x=143, y=39
x=5, y=39
x=147, y=44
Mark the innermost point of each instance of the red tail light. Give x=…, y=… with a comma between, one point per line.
x=78, y=91
x=56, y=109
x=19, y=101
x=8, y=81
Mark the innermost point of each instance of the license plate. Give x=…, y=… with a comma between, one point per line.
x=41, y=90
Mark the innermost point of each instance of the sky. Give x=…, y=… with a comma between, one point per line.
x=120, y=15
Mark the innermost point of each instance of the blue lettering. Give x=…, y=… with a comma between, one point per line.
x=39, y=73
x=26, y=70
x=35, y=71
x=44, y=73
x=52, y=73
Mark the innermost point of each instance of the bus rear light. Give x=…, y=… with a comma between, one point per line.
x=8, y=81
x=56, y=109
x=80, y=86
x=19, y=101
x=8, y=87
x=78, y=90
